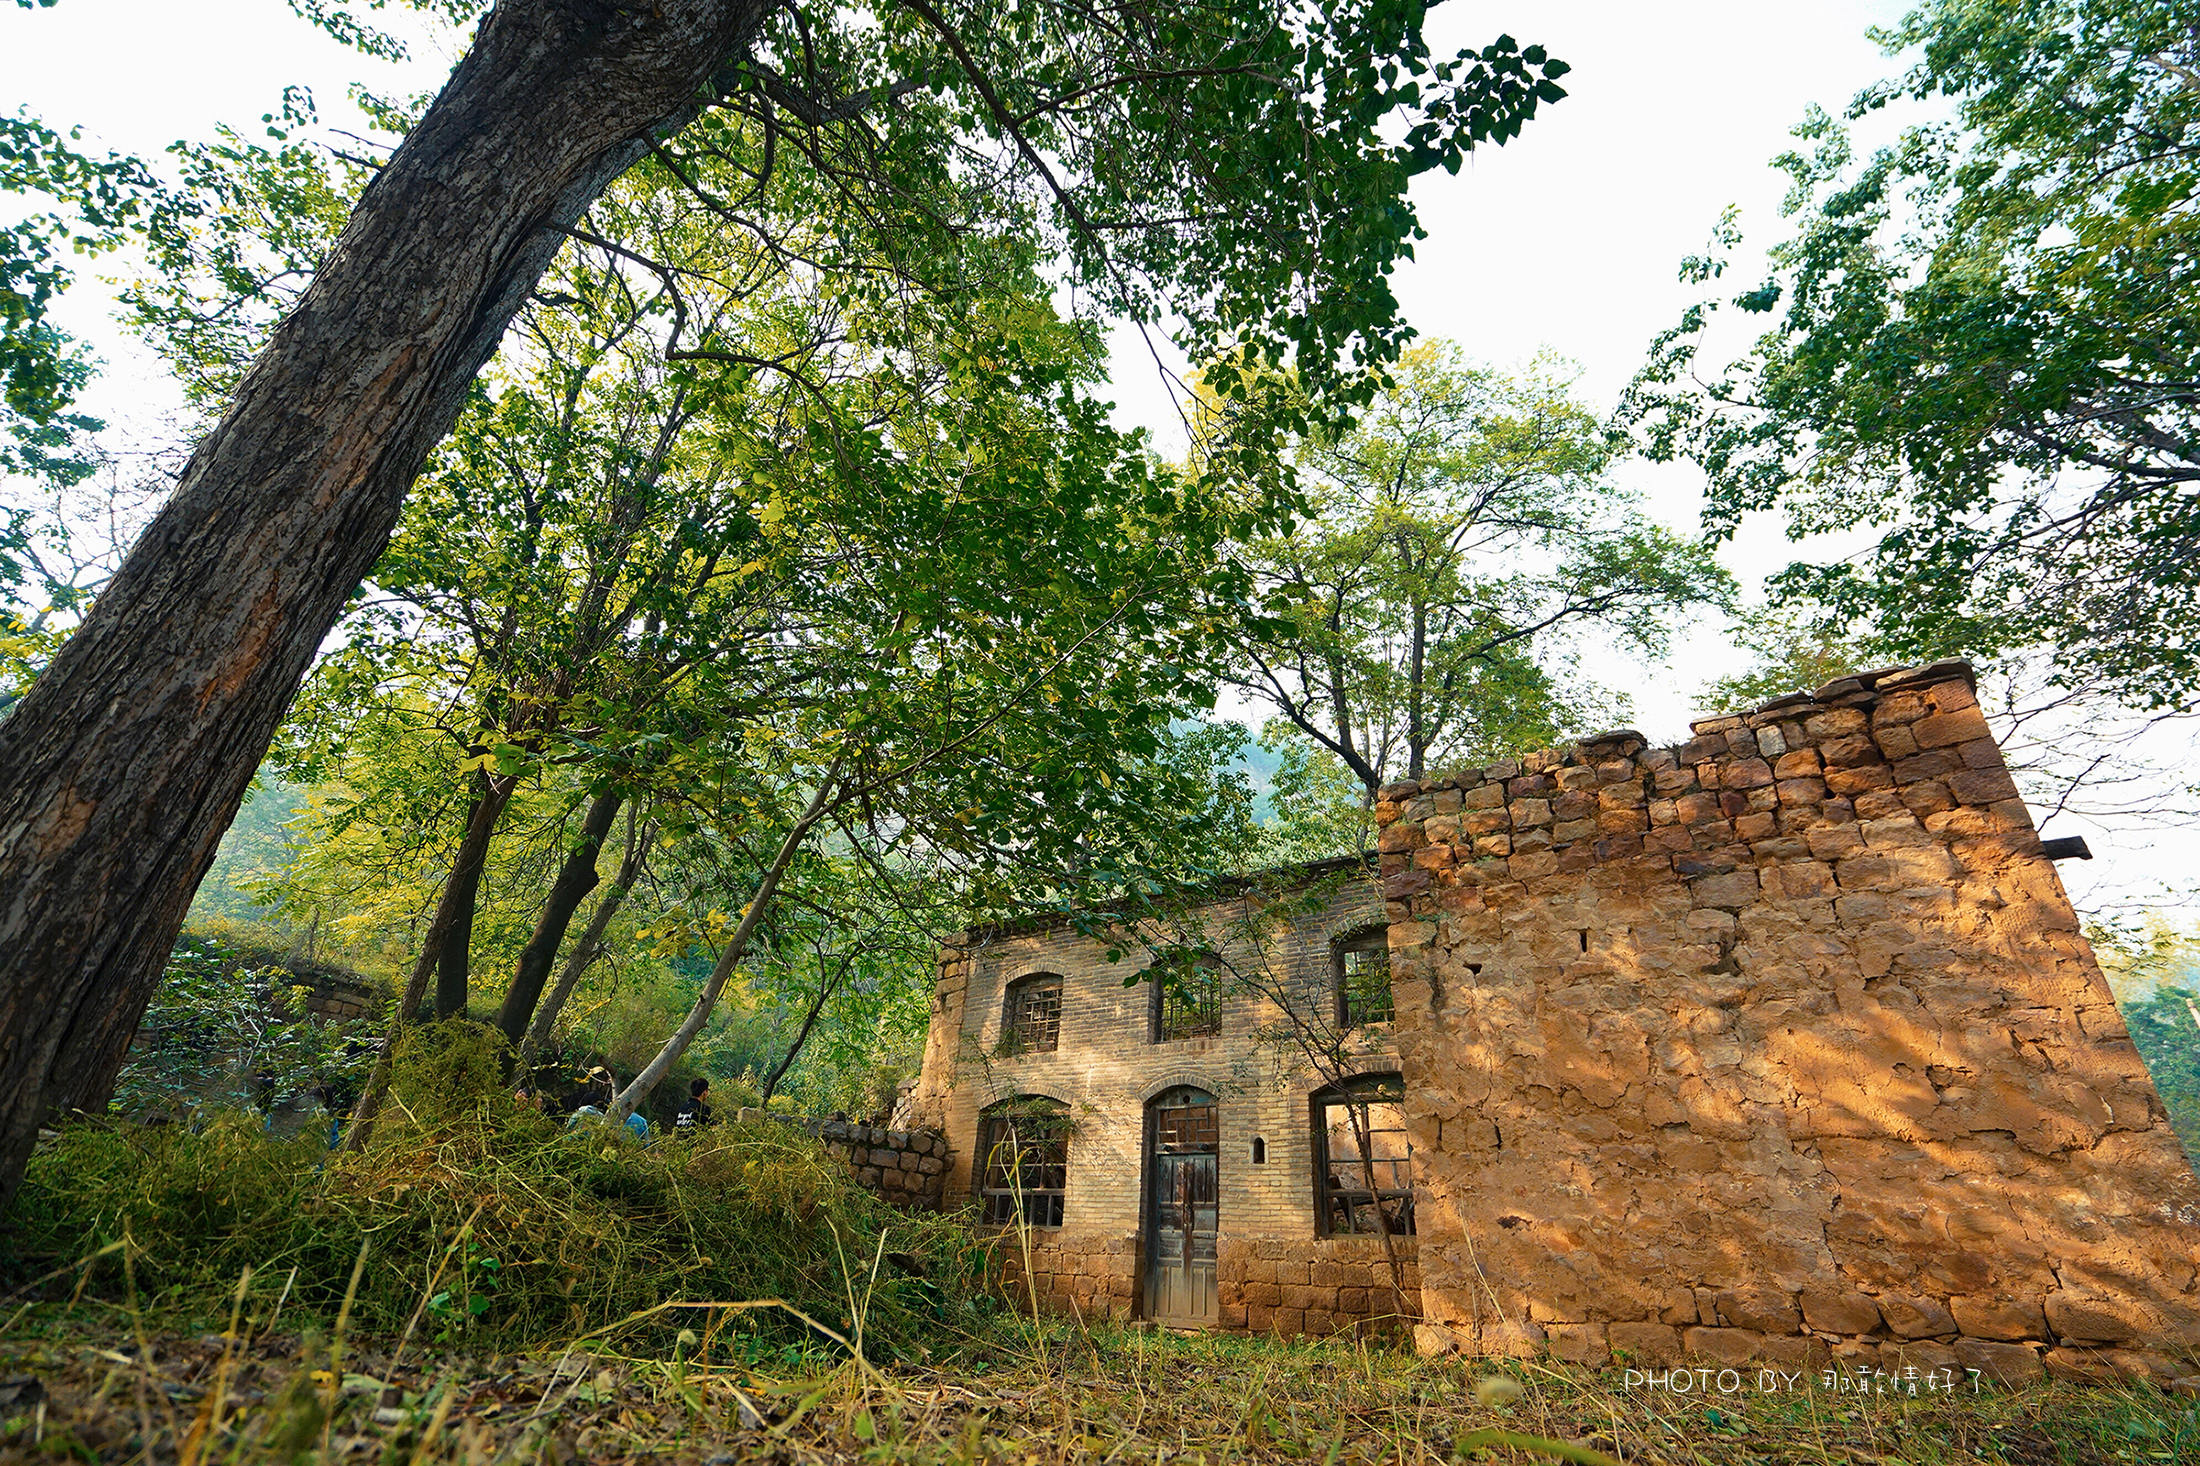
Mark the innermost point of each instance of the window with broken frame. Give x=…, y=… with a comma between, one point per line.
x=1023, y=1162
x=1031, y=1014
x=1363, y=1159
x=1187, y=995
x=1360, y=967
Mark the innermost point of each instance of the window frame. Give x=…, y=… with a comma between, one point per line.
x=1360, y=939
x=1365, y=1090
x=1016, y=1020
x=1209, y=1024
x=1040, y=1206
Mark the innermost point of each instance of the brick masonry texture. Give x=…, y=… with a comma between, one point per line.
x=1780, y=1045
x=1272, y=1272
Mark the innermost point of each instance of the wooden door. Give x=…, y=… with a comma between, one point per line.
x=1181, y=1210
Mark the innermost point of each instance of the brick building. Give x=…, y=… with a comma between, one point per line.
x=1780, y=1045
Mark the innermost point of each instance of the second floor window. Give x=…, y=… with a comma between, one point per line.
x=1362, y=969
x=1031, y=1016
x=1187, y=996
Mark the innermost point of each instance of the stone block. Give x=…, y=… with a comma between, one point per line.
x=1801, y=791
x=1727, y=1346
x=2004, y=1364
x=1748, y=773
x=1859, y=780
x=1732, y=890
x=1486, y=821
x=1895, y=743
x=1398, y=837
x=1755, y=826
x=1998, y=1318
x=1916, y=1318
x=1981, y=755
x=1759, y=1310
x=1702, y=750
x=1801, y=764
x=1981, y=786
x=1850, y=753
x=1527, y=812
x=1579, y=1343
x=1835, y=723
x=1943, y=730
x=1839, y=1312
x=2081, y=1318
x=1648, y=1343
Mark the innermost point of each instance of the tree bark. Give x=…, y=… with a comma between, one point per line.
x=591, y=943
x=127, y=759
x=576, y=878
x=451, y=934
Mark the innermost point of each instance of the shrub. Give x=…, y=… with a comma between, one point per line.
x=516, y=1231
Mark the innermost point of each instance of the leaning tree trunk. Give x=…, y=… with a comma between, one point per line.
x=591, y=944
x=451, y=934
x=127, y=759
x=576, y=878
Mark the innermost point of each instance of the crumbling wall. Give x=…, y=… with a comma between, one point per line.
x=1779, y=1045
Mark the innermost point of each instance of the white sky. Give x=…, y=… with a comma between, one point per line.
x=1567, y=239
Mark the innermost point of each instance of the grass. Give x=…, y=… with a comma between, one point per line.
x=475, y=1224
x=1062, y=1394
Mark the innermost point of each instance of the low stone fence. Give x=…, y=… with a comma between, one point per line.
x=906, y=1168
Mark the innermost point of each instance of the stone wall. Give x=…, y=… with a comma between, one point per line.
x=1778, y=1045
x=904, y=1167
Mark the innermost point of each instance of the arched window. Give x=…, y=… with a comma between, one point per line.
x=1022, y=1164
x=1360, y=965
x=1031, y=1014
x=1187, y=995
x=1363, y=1161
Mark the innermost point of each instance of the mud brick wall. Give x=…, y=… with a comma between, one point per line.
x=1780, y=1045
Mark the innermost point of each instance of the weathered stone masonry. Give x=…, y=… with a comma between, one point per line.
x=1778, y=1045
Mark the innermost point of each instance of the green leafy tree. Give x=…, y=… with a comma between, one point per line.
x=1463, y=535
x=1981, y=344
x=1242, y=168
x=222, y=1033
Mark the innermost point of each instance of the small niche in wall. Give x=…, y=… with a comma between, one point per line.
x=1260, y=1151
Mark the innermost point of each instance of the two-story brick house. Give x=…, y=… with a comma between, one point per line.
x=1183, y=1147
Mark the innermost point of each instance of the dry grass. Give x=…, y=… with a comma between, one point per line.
x=93, y=1385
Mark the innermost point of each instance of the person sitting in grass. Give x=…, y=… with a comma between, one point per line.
x=694, y=1111
x=599, y=1090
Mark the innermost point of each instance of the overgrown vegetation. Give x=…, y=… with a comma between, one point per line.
x=475, y=1221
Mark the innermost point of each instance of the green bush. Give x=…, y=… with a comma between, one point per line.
x=514, y=1230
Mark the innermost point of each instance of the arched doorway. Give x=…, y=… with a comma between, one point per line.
x=1183, y=1146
